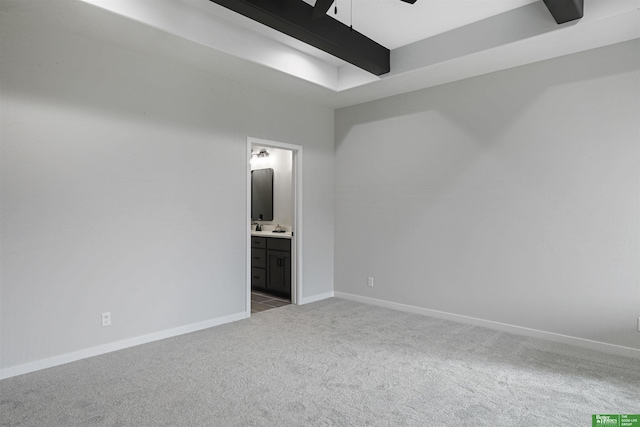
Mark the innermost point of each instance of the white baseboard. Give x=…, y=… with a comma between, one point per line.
x=118, y=345
x=315, y=298
x=503, y=327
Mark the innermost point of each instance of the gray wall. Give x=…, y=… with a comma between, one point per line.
x=511, y=197
x=123, y=181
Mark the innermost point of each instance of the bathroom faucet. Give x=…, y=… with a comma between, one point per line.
x=258, y=226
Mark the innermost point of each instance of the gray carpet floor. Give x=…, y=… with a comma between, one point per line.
x=330, y=363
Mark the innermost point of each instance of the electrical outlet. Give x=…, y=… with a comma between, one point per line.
x=106, y=319
x=370, y=282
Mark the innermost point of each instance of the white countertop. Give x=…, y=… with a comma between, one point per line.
x=269, y=233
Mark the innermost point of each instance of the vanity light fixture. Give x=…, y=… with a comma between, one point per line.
x=262, y=153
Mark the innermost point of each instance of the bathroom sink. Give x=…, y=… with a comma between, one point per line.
x=271, y=233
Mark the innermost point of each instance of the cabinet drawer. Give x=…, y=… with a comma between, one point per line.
x=278, y=244
x=258, y=258
x=258, y=242
x=258, y=277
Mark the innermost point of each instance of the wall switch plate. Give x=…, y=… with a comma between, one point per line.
x=106, y=319
x=638, y=324
x=370, y=282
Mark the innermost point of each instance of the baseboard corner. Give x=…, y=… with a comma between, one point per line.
x=314, y=298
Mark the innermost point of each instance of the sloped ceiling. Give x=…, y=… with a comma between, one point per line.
x=432, y=42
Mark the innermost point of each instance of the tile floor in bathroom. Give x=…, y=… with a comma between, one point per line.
x=261, y=301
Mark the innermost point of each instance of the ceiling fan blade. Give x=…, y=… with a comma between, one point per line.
x=321, y=7
x=409, y=1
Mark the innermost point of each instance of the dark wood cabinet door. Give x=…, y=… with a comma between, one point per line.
x=279, y=272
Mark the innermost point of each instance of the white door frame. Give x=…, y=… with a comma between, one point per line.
x=296, y=241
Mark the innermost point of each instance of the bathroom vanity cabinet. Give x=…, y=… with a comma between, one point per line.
x=271, y=265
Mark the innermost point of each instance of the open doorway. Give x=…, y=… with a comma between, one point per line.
x=274, y=222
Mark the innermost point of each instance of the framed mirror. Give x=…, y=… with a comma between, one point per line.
x=262, y=195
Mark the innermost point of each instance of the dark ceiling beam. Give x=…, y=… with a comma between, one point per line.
x=565, y=10
x=295, y=18
x=320, y=8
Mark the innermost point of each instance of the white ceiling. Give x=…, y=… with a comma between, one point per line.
x=394, y=23
x=432, y=42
